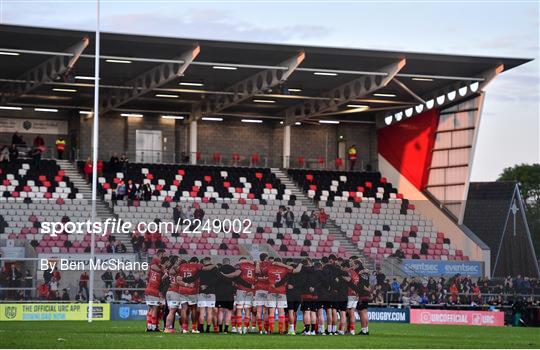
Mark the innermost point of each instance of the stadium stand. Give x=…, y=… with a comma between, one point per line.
x=375, y=217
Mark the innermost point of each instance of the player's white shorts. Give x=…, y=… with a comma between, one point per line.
x=352, y=301
x=206, y=300
x=260, y=298
x=173, y=299
x=276, y=300
x=243, y=299
x=190, y=299
x=153, y=300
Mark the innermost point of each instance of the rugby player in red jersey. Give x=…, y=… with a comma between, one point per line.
x=188, y=293
x=172, y=297
x=277, y=298
x=245, y=271
x=153, y=296
x=261, y=292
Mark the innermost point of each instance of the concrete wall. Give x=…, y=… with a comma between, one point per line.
x=117, y=134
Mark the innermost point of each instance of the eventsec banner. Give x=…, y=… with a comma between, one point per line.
x=442, y=267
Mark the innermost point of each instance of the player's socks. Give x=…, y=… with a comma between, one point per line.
x=194, y=326
x=239, y=322
x=215, y=328
x=260, y=325
x=149, y=322
x=286, y=323
x=271, y=321
x=226, y=329
x=184, y=326
x=200, y=328
x=220, y=328
x=306, y=328
x=207, y=328
x=267, y=323
x=281, y=323
x=246, y=321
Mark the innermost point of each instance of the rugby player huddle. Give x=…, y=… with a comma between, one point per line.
x=248, y=296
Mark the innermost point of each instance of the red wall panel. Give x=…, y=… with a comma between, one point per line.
x=408, y=146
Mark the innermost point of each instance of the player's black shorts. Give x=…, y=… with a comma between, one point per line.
x=339, y=305
x=362, y=305
x=309, y=305
x=229, y=305
x=293, y=305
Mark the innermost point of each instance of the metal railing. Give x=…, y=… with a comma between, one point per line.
x=470, y=298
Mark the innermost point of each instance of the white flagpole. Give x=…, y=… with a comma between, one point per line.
x=94, y=165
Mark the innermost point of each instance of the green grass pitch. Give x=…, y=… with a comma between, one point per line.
x=129, y=334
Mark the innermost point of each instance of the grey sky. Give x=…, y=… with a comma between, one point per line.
x=510, y=126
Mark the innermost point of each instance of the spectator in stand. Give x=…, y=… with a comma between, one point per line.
x=107, y=278
x=198, y=213
x=114, y=163
x=130, y=280
x=13, y=153
x=80, y=298
x=289, y=218
x=36, y=154
x=131, y=190
x=43, y=291
x=4, y=154
x=146, y=192
x=14, y=281
x=453, y=294
x=83, y=283
x=279, y=217
x=352, y=155
x=323, y=217
x=137, y=242
x=304, y=220
x=119, y=247
x=313, y=219
x=65, y=295
x=380, y=276
x=119, y=283
x=56, y=274
x=126, y=296
x=121, y=190
x=109, y=296
x=53, y=289
x=60, y=144
x=87, y=169
x=99, y=167
x=124, y=163
x=136, y=298
x=39, y=142
x=17, y=139
x=396, y=290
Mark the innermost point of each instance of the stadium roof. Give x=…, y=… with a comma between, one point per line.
x=212, y=70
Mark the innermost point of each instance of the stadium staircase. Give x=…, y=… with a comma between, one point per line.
x=312, y=205
x=103, y=211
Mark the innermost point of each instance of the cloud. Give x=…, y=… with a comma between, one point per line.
x=209, y=24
